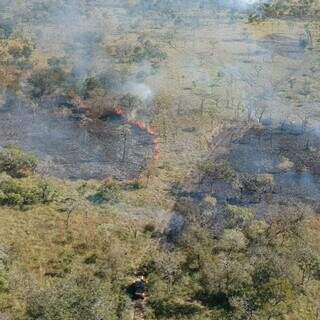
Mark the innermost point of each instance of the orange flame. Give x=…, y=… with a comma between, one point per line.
x=120, y=111
x=156, y=141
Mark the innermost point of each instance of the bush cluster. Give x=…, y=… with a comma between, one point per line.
x=17, y=163
x=109, y=191
x=18, y=184
x=219, y=171
x=25, y=191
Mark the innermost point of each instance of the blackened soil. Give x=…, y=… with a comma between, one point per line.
x=78, y=148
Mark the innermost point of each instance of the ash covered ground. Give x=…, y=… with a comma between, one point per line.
x=78, y=149
x=258, y=167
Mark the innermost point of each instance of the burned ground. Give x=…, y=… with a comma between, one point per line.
x=73, y=146
x=266, y=169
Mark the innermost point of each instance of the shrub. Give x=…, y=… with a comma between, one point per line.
x=89, y=86
x=48, y=193
x=149, y=228
x=238, y=216
x=109, y=191
x=264, y=180
x=260, y=183
x=233, y=240
x=135, y=184
x=46, y=80
x=130, y=102
x=136, y=53
x=15, y=51
x=17, y=163
x=210, y=201
x=206, y=167
x=221, y=171
x=80, y=298
x=26, y=191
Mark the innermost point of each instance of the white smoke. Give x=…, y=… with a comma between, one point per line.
x=140, y=90
x=244, y=4
x=248, y=2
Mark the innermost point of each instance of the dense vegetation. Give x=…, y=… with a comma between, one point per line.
x=87, y=257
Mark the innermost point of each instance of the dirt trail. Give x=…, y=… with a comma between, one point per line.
x=139, y=310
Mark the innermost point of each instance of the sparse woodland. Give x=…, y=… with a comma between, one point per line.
x=171, y=140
